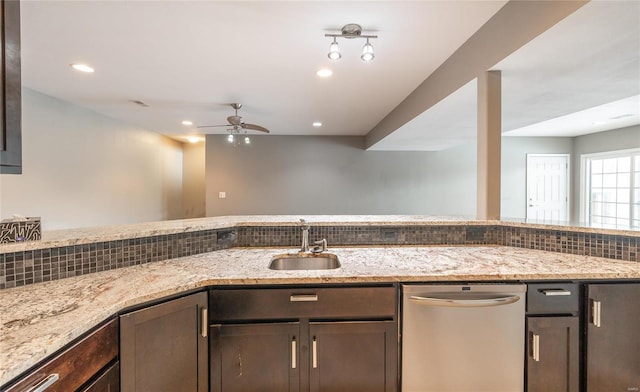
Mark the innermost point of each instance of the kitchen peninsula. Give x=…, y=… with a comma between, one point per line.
x=39, y=319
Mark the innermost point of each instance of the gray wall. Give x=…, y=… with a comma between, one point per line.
x=83, y=169
x=316, y=175
x=334, y=175
x=193, y=180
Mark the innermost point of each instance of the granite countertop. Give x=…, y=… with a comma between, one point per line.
x=36, y=320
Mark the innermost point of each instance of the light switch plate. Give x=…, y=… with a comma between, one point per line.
x=222, y=195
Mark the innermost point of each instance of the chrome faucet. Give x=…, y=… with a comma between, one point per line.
x=305, y=236
x=319, y=246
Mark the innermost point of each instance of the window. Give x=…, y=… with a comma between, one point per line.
x=613, y=189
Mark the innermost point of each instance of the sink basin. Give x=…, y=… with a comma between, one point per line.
x=303, y=261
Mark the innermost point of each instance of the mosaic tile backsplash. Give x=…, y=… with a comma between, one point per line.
x=28, y=267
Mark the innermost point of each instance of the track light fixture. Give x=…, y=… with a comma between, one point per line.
x=350, y=31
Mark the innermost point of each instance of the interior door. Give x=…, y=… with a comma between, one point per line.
x=547, y=187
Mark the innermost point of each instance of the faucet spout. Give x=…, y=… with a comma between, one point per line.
x=305, y=236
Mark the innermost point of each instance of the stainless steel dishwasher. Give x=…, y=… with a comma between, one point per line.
x=463, y=338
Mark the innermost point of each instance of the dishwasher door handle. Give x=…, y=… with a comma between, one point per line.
x=465, y=301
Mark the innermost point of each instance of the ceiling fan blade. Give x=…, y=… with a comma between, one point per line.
x=212, y=126
x=254, y=127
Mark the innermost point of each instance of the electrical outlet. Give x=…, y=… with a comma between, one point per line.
x=222, y=195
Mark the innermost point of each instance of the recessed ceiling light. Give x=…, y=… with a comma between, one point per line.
x=324, y=72
x=82, y=68
x=187, y=122
x=317, y=124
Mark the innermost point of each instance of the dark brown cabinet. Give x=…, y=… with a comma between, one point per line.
x=107, y=381
x=553, y=354
x=10, y=89
x=613, y=341
x=553, y=337
x=165, y=347
x=255, y=357
x=353, y=356
x=89, y=358
x=304, y=339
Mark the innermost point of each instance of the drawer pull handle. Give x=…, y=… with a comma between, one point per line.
x=536, y=347
x=44, y=384
x=304, y=298
x=294, y=359
x=203, y=325
x=596, y=309
x=555, y=292
x=314, y=350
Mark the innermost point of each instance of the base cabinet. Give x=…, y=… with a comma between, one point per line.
x=353, y=356
x=553, y=354
x=165, y=347
x=304, y=339
x=613, y=341
x=108, y=381
x=72, y=369
x=255, y=357
x=553, y=337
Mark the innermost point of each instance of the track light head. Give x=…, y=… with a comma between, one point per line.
x=367, y=52
x=334, y=51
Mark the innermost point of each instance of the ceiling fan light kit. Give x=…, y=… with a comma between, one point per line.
x=351, y=31
x=236, y=125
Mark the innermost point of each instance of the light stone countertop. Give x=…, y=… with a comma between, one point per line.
x=36, y=320
x=59, y=238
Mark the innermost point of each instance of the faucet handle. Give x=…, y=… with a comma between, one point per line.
x=320, y=246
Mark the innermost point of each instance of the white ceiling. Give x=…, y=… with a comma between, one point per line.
x=581, y=76
x=186, y=59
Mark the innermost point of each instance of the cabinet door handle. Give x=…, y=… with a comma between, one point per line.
x=536, y=347
x=555, y=292
x=294, y=351
x=45, y=383
x=203, y=325
x=314, y=353
x=596, y=311
x=303, y=298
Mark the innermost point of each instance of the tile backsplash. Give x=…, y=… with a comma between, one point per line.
x=33, y=266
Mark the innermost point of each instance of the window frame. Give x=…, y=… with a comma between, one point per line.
x=585, y=188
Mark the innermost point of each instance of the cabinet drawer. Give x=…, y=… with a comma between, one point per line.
x=76, y=365
x=294, y=303
x=548, y=298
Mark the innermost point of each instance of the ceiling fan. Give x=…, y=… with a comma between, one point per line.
x=236, y=123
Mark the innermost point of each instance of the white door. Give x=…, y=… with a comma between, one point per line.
x=547, y=187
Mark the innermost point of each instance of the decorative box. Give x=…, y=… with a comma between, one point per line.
x=19, y=230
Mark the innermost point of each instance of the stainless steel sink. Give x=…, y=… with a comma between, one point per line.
x=304, y=261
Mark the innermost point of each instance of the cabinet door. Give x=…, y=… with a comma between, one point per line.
x=353, y=356
x=165, y=347
x=613, y=341
x=108, y=381
x=255, y=357
x=553, y=354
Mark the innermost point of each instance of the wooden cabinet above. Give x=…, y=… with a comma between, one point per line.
x=10, y=88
